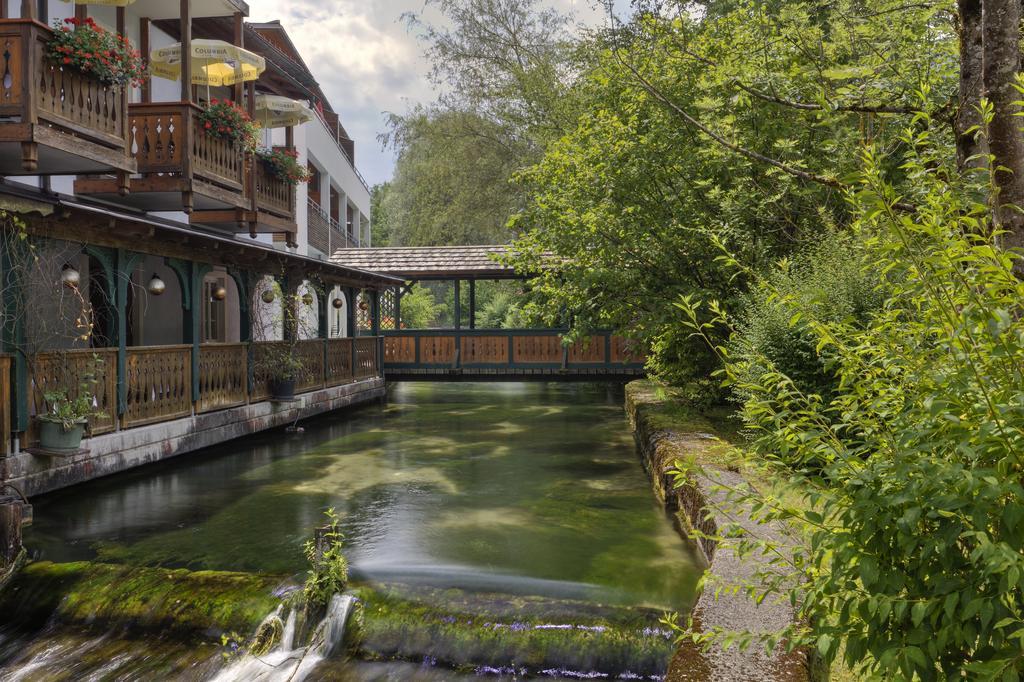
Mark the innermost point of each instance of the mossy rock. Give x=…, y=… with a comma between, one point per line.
x=169, y=601
x=531, y=636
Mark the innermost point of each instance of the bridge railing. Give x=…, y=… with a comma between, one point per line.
x=505, y=348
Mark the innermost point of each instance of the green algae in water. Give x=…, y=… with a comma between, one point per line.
x=531, y=488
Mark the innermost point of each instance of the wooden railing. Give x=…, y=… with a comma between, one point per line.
x=223, y=376
x=160, y=145
x=273, y=194
x=34, y=89
x=159, y=384
x=339, y=367
x=311, y=355
x=505, y=348
x=319, y=229
x=367, y=364
x=158, y=380
x=5, y=405
x=74, y=371
x=325, y=233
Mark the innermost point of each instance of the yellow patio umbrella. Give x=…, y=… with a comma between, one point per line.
x=215, y=63
x=273, y=111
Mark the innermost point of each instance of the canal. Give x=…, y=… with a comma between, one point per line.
x=521, y=504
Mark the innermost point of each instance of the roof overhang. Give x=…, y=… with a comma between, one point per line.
x=433, y=262
x=157, y=10
x=63, y=217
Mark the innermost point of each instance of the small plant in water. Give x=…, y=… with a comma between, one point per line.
x=328, y=573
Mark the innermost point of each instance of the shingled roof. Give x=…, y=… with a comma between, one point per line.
x=427, y=262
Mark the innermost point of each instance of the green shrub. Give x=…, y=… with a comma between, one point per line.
x=913, y=554
x=827, y=279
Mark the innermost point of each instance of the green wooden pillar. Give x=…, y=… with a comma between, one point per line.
x=124, y=265
x=244, y=283
x=353, y=332
x=289, y=309
x=458, y=304
x=191, y=276
x=398, y=308
x=375, y=306
x=12, y=338
x=323, y=316
x=352, y=319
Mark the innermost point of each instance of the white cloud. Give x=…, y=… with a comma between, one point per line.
x=367, y=61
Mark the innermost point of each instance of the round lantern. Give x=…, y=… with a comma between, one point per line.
x=268, y=296
x=364, y=306
x=156, y=287
x=70, y=277
x=219, y=293
x=307, y=299
x=338, y=304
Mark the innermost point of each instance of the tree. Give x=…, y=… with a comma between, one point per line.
x=746, y=124
x=1001, y=28
x=451, y=183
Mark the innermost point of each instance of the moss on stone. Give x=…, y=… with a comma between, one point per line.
x=176, y=601
x=613, y=643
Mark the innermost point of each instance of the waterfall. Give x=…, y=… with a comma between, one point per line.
x=285, y=663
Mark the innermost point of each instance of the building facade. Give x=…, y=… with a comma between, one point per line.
x=162, y=271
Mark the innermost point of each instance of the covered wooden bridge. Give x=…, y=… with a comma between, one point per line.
x=461, y=339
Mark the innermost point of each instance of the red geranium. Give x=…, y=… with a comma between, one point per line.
x=79, y=43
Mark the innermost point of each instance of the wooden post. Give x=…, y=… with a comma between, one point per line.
x=398, y=308
x=12, y=337
x=123, y=178
x=124, y=267
x=195, y=323
x=10, y=532
x=458, y=305
x=353, y=331
x=472, y=304
x=81, y=12
x=187, y=122
x=243, y=282
x=375, y=318
x=238, y=41
x=144, y=48
x=30, y=150
x=186, y=51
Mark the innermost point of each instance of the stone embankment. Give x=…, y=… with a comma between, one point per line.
x=667, y=431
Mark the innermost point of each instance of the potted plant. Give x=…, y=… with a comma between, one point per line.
x=285, y=371
x=225, y=120
x=90, y=49
x=62, y=428
x=284, y=165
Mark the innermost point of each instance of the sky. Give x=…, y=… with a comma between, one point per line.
x=369, y=63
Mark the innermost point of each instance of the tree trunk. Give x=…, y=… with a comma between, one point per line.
x=1001, y=27
x=972, y=66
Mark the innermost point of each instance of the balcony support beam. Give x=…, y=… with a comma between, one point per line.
x=144, y=48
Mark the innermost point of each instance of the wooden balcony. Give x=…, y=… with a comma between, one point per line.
x=269, y=209
x=55, y=121
x=180, y=167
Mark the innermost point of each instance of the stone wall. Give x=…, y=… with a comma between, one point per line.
x=666, y=431
x=127, y=449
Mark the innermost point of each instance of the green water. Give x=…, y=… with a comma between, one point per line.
x=523, y=488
